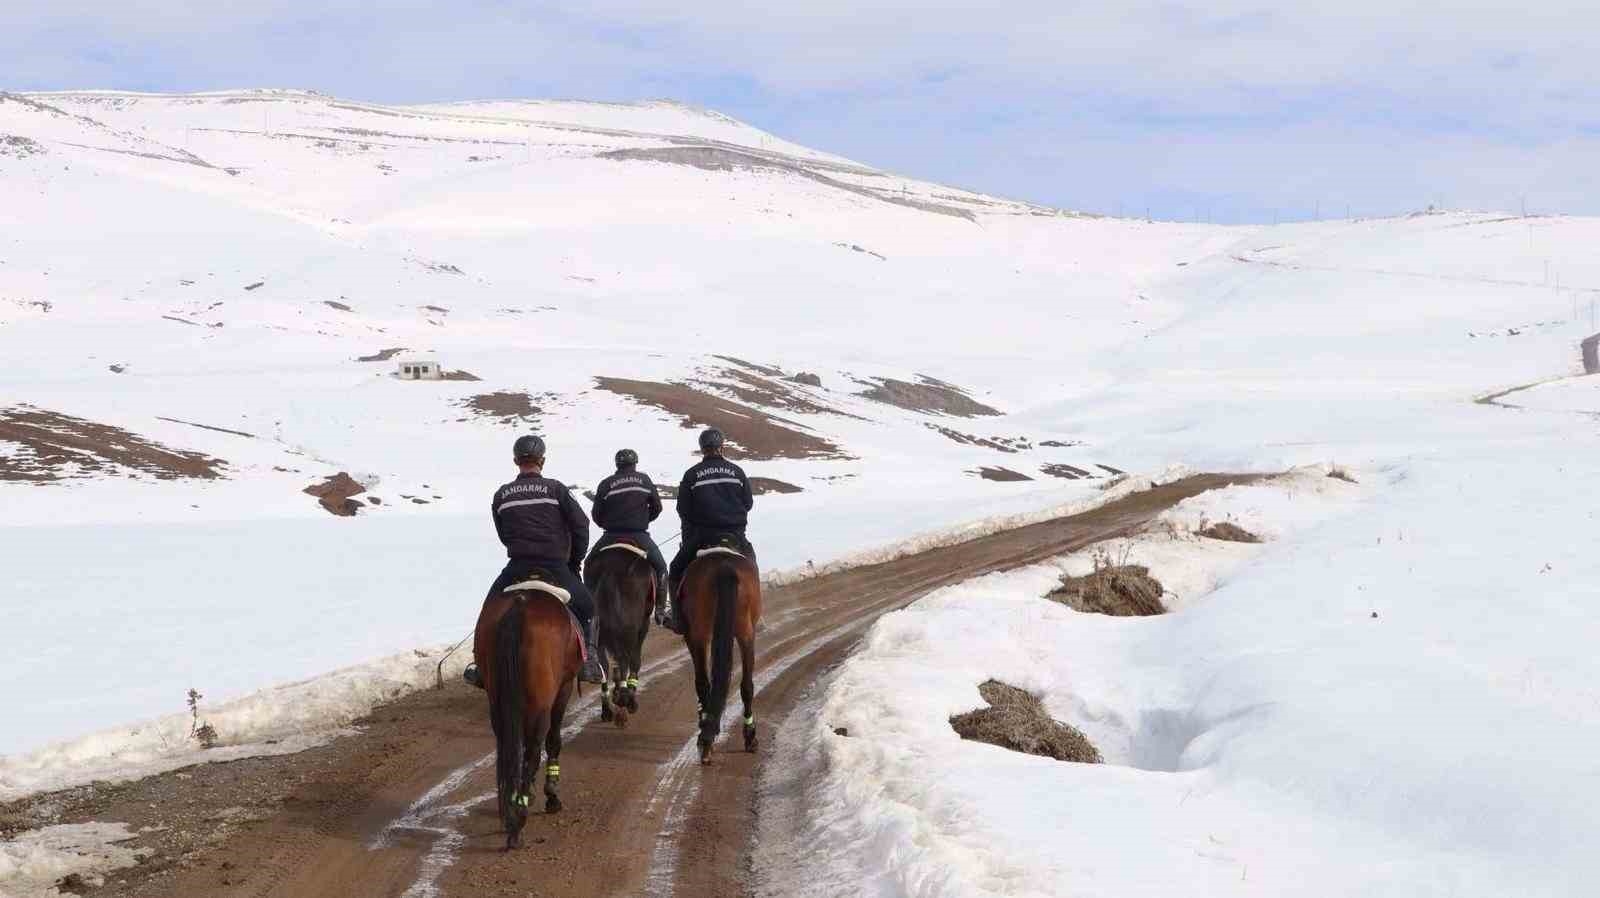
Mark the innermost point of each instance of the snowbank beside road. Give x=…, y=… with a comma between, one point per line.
x=1393, y=698
x=282, y=720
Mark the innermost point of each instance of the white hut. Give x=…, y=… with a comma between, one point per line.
x=419, y=370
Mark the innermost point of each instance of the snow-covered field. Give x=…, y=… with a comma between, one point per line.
x=224, y=260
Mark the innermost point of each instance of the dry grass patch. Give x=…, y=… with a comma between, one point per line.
x=1229, y=531
x=1115, y=588
x=1017, y=720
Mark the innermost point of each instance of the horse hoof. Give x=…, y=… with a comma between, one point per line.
x=513, y=841
x=606, y=713
x=750, y=741
x=552, y=805
x=622, y=718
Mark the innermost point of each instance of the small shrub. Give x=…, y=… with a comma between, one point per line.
x=203, y=733
x=1339, y=473
x=1017, y=720
x=1113, y=587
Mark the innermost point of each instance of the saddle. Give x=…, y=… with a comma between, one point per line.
x=535, y=584
x=628, y=546
x=723, y=544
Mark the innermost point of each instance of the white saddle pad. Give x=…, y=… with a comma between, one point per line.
x=718, y=550
x=630, y=547
x=541, y=586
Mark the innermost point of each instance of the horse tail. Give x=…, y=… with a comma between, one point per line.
x=510, y=705
x=727, y=592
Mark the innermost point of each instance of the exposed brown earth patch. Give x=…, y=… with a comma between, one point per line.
x=1120, y=590
x=337, y=305
x=1066, y=472
x=507, y=407
x=761, y=486
x=382, y=355
x=806, y=378
x=1017, y=720
x=756, y=390
x=1228, y=531
x=50, y=446
x=460, y=375
x=1110, y=470
x=335, y=494
x=766, y=370
x=927, y=396
x=999, y=444
x=1002, y=475
x=752, y=433
x=1057, y=444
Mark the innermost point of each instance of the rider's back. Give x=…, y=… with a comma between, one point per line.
x=626, y=502
x=715, y=493
x=537, y=518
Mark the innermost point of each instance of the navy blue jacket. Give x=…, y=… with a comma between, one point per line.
x=715, y=493
x=538, y=520
x=626, y=502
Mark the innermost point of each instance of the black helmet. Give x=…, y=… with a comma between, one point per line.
x=711, y=439
x=627, y=458
x=528, y=448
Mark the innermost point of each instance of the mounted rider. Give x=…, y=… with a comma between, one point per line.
x=544, y=531
x=714, y=500
x=624, y=505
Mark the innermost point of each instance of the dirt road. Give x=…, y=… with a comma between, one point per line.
x=405, y=809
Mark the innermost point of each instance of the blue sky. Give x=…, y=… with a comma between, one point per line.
x=1228, y=110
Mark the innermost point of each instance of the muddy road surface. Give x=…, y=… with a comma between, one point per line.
x=405, y=807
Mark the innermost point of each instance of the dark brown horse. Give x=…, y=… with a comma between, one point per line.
x=722, y=602
x=528, y=651
x=624, y=587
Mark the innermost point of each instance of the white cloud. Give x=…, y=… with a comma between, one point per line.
x=1480, y=98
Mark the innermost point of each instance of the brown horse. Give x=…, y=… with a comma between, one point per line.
x=528, y=650
x=721, y=593
x=624, y=587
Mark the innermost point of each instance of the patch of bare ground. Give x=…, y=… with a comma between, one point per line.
x=767, y=370
x=806, y=379
x=1338, y=473
x=764, y=485
x=1003, y=475
x=712, y=158
x=1057, y=444
x=382, y=355
x=1228, y=531
x=927, y=396
x=747, y=387
x=752, y=433
x=334, y=304
x=460, y=375
x=506, y=406
x=999, y=444
x=50, y=446
x=1120, y=590
x=1017, y=720
x=335, y=494
x=1066, y=472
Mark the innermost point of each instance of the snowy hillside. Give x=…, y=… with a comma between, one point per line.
x=189, y=286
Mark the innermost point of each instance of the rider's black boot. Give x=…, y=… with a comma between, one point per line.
x=591, y=672
x=471, y=675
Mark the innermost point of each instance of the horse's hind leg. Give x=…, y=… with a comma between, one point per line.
x=702, y=691
x=538, y=737
x=552, y=750
x=747, y=688
x=635, y=661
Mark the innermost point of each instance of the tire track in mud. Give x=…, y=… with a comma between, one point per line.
x=410, y=812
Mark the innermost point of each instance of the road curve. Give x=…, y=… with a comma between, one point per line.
x=405, y=807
